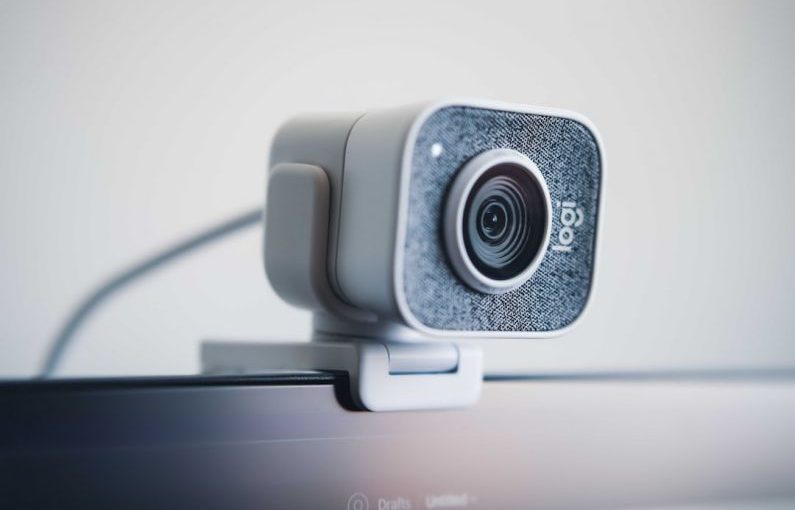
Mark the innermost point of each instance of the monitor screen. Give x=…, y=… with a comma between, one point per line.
x=293, y=442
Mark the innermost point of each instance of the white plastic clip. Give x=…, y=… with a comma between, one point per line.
x=383, y=377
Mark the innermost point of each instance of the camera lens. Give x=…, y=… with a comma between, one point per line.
x=497, y=220
x=504, y=221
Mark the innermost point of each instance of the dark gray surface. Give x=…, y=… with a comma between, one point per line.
x=551, y=444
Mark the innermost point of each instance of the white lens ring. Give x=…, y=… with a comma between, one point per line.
x=454, y=219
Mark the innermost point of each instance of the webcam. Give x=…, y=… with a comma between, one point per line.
x=415, y=234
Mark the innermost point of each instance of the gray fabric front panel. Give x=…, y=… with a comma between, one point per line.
x=566, y=154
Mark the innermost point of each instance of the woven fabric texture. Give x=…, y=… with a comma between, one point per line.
x=567, y=155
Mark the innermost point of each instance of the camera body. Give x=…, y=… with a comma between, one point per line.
x=410, y=230
x=447, y=220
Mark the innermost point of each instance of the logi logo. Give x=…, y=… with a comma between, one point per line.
x=571, y=217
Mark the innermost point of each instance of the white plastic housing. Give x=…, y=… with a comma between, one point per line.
x=367, y=161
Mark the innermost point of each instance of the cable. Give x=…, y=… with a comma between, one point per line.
x=66, y=334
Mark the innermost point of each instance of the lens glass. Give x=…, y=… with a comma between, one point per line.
x=504, y=220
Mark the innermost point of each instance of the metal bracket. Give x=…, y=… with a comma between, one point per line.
x=383, y=377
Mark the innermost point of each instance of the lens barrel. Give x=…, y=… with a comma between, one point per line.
x=497, y=220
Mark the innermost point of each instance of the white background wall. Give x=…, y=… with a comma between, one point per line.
x=124, y=125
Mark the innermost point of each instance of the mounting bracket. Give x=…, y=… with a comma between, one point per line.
x=383, y=376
